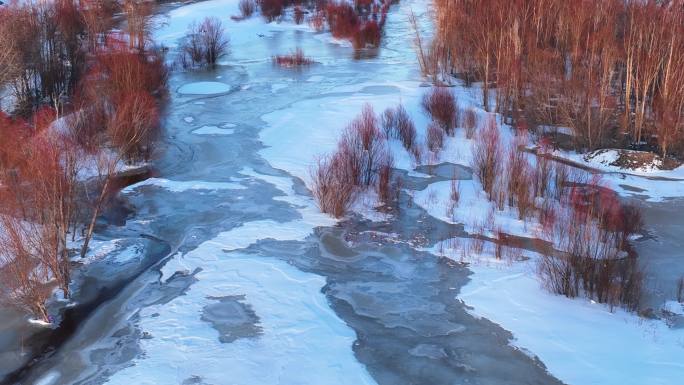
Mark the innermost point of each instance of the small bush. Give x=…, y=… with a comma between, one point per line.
x=205, y=43
x=455, y=192
x=298, y=14
x=295, y=59
x=332, y=187
x=247, y=8
x=342, y=20
x=470, y=122
x=389, y=123
x=368, y=35
x=384, y=187
x=121, y=72
x=361, y=160
x=435, y=137
x=364, y=136
x=317, y=21
x=440, y=104
x=487, y=154
x=271, y=9
x=544, y=169
x=406, y=130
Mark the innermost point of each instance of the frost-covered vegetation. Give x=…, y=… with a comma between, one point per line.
x=82, y=103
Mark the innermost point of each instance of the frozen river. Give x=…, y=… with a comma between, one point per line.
x=225, y=272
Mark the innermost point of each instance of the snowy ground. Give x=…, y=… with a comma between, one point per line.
x=648, y=180
x=581, y=342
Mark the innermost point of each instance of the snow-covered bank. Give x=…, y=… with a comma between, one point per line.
x=647, y=180
x=580, y=342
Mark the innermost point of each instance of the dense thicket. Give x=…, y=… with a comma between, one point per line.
x=79, y=101
x=611, y=70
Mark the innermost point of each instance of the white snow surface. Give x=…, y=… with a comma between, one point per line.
x=182, y=186
x=472, y=209
x=213, y=130
x=204, y=88
x=580, y=342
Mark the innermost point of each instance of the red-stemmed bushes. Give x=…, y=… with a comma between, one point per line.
x=487, y=156
x=435, y=137
x=295, y=59
x=247, y=8
x=272, y=9
x=440, y=104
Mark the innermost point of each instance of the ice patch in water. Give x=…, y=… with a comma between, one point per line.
x=213, y=130
x=277, y=87
x=181, y=186
x=188, y=119
x=232, y=318
x=204, y=88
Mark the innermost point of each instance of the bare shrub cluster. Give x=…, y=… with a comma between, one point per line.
x=362, y=25
x=584, y=220
x=598, y=262
x=204, y=43
x=397, y=124
x=362, y=160
x=487, y=156
x=247, y=8
x=440, y=104
x=295, y=59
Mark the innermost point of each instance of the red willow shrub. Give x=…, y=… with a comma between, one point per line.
x=384, y=187
x=470, y=122
x=134, y=126
x=295, y=59
x=592, y=228
x=440, y=104
x=345, y=23
x=317, y=20
x=247, y=8
x=388, y=122
x=124, y=72
x=369, y=34
x=298, y=14
x=331, y=185
x=271, y=9
x=397, y=124
x=342, y=20
x=487, y=156
x=362, y=160
x=435, y=137
x=406, y=130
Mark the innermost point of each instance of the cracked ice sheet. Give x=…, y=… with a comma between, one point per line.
x=182, y=186
x=303, y=341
